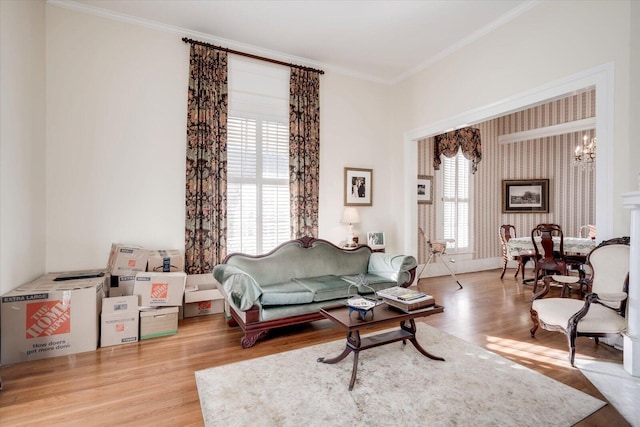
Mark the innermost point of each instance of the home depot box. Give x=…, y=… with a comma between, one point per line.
x=123, y=284
x=45, y=319
x=160, y=289
x=63, y=276
x=125, y=258
x=165, y=261
x=201, y=296
x=158, y=322
x=119, y=320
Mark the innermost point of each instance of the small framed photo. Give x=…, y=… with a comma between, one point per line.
x=358, y=187
x=375, y=239
x=525, y=196
x=425, y=189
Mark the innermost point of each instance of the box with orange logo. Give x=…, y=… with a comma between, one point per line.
x=160, y=289
x=119, y=320
x=126, y=258
x=201, y=296
x=47, y=318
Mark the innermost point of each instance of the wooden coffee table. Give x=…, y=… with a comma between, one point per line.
x=382, y=315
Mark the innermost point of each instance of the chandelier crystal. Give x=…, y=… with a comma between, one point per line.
x=585, y=154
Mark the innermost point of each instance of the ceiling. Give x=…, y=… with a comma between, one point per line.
x=383, y=41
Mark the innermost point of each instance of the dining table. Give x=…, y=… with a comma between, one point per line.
x=580, y=246
x=571, y=245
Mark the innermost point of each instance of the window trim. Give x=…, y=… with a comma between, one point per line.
x=463, y=252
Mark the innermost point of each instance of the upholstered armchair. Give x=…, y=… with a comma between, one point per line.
x=602, y=312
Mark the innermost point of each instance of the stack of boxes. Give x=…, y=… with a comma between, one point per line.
x=156, y=278
x=139, y=296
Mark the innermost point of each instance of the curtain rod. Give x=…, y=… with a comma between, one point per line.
x=249, y=55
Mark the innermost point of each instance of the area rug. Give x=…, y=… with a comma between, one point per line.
x=396, y=385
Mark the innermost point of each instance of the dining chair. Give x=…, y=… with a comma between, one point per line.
x=602, y=312
x=546, y=258
x=506, y=232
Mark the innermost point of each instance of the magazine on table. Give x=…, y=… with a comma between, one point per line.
x=403, y=294
x=406, y=299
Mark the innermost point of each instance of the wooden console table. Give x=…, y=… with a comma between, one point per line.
x=382, y=314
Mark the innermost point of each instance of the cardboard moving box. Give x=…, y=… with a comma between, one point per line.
x=160, y=289
x=158, y=322
x=123, y=284
x=201, y=296
x=165, y=261
x=126, y=258
x=120, y=320
x=46, y=318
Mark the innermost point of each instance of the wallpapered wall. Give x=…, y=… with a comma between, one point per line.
x=571, y=198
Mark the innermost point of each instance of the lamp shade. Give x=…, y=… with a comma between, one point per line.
x=350, y=216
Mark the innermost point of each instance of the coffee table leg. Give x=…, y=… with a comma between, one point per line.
x=354, y=371
x=412, y=328
x=336, y=359
x=353, y=344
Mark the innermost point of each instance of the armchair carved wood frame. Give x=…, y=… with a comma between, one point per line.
x=602, y=312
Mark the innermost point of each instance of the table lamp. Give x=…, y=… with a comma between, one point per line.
x=350, y=216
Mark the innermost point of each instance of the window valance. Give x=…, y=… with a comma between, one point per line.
x=467, y=139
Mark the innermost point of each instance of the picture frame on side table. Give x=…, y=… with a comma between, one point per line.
x=425, y=189
x=358, y=187
x=376, y=239
x=525, y=196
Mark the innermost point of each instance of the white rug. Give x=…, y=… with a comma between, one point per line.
x=396, y=385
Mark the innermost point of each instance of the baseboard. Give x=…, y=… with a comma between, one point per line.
x=435, y=269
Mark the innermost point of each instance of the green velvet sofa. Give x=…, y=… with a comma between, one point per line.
x=291, y=283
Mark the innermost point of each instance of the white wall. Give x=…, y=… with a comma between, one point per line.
x=22, y=142
x=634, y=97
x=550, y=42
x=116, y=99
x=354, y=132
x=116, y=129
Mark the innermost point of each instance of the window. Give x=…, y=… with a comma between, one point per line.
x=456, y=202
x=257, y=157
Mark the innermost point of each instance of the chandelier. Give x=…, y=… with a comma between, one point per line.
x=585, y=154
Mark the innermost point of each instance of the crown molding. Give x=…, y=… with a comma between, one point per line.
x=476, y=35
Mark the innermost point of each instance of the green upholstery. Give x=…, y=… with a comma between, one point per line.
x=288, y=293
x=325, y=288
x=293, y=280
x=291, y=260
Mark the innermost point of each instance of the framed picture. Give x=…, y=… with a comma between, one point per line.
x=358, y=187
x=375, y=239
x=525, y=196
x=425, y=189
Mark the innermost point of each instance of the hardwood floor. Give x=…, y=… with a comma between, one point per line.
x=152, y=382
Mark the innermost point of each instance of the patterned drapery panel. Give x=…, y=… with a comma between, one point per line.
x=468, y=139
x=304, y=151
x=206, y=189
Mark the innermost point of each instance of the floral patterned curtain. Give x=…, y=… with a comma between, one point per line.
x=206, y=189
x=447, y=144
x=304, y=151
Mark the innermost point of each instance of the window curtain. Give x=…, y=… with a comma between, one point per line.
x=206, y=172
x=304, y=151
x=447, y=144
